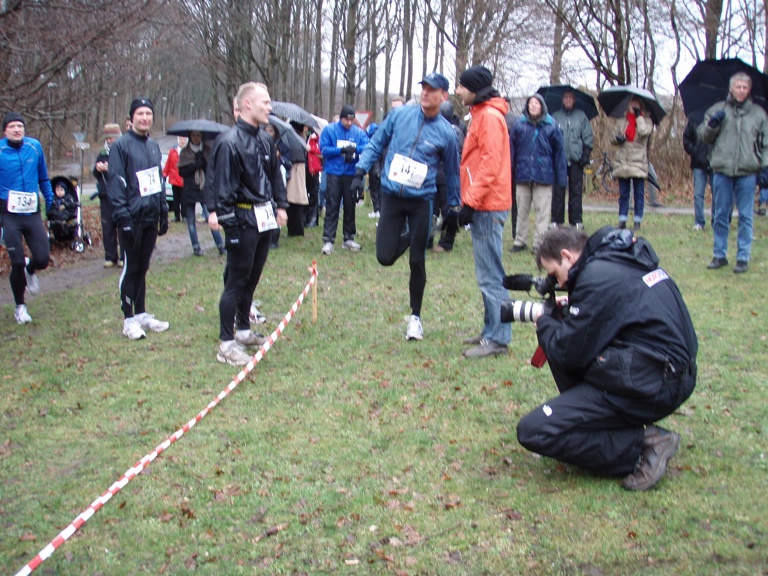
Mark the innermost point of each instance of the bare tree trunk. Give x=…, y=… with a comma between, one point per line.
x=407, y=46
x=425, y=28
x=712, y=15
x=350, y=38
x=318, y=96
x=557, y=46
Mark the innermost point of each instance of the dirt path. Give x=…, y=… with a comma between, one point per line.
x=89, y=266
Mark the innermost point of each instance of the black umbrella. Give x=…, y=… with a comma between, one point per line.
x=294, y=112
x=208, y=128
x=287, y=133
x=708, y=81
x=553, y=98
x=615, y=101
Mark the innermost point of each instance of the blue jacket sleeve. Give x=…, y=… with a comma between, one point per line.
x=375, y=145
x=328, y=146
x=42, y=178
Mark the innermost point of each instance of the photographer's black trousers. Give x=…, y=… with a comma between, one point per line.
x=597, y=430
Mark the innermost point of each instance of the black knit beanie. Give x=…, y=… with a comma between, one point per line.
x=11, y=117
x=347, y=111
x=139, y=103
x=476, y=78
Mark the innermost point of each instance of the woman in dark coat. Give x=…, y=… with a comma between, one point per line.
x=193, y=161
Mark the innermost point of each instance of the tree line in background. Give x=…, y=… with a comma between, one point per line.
x=72, y=66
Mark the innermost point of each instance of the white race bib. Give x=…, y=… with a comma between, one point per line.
x=22, y=202
x=149, y=181
x=265, y=217
x=403, y=170
x=344, y=143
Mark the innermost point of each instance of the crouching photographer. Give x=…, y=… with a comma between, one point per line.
x=623, y=357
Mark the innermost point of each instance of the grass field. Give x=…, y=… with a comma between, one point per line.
x=349, y=450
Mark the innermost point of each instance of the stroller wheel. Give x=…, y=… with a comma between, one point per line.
x=78, y=246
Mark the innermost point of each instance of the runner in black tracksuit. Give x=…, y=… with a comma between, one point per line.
x=246, y=175
x=140, y=212
x=623, y=358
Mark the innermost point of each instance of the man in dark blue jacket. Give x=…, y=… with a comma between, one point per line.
x=135, y=190
x=341, y=144
x=417, y=140
x=623, y=357
x=23, y=173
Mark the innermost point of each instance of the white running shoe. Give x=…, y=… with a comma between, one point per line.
x=230, y=352
x=132, y=329
x=21, y=314
x=415, y=331
x=255, y=316
x=351, y=245
x=248, y=339
x=374, y=214
x=327, y=248
x=149, y=322
x=33, y=286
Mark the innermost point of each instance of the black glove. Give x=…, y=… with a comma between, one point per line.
x=162, y=229
x=232, y=237
x=357, y=184
x=127, y=228
x=348, y=150
x=636, y=110
x=762, y=177
x=466, y=215
x=451, y=219
x=716, y=119
x=585, y=159
x=620, y=139
x=200, y=161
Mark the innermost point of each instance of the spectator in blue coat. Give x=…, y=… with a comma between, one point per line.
x=539, y=164
x=341, y=144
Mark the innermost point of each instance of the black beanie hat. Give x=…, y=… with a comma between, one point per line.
x=138, y=103
x=476, y=78
x=11, y=117
x=347, y=111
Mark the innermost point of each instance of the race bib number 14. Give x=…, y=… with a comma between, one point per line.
x=403, y=170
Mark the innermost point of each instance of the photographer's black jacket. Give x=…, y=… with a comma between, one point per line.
x=618, y=296
x=246, y=170
x=130, y=154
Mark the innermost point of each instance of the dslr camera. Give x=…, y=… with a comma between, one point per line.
x=524, y=310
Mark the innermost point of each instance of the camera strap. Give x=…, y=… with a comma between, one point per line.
x=539, y=357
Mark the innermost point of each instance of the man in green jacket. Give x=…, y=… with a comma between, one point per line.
x=737, y=130
x=578, y=139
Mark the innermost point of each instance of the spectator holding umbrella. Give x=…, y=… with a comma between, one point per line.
x=578, y=140
x=737, y=130
x=631, y=166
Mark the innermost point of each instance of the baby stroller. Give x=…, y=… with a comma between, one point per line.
x=65, y=219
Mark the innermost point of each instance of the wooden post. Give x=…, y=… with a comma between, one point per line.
x=314, y=292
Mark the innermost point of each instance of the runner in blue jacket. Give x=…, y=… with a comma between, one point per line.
x=23, y=174
x=417, y=139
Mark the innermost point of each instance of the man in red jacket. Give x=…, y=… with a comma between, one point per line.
x=486, y=197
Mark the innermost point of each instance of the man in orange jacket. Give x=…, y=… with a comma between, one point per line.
x=486, y=197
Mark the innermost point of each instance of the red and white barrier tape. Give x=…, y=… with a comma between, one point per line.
x=131, y=473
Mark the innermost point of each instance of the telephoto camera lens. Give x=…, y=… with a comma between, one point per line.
x=521, y=311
